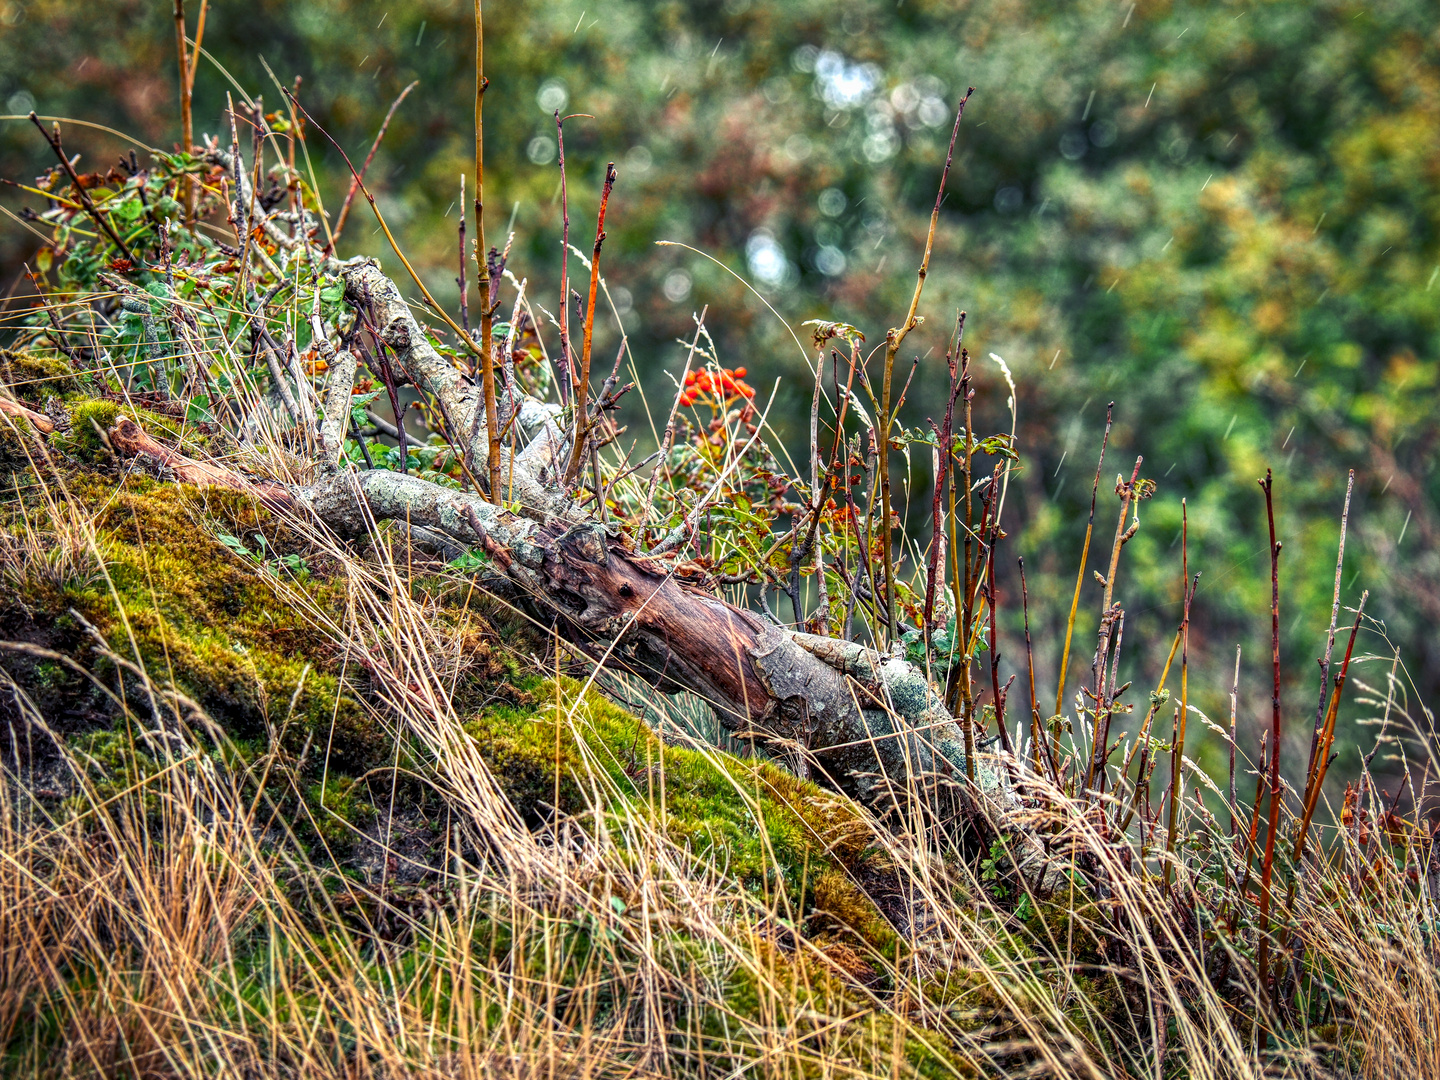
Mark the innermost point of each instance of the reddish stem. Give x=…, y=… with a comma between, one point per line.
x=1263, y=951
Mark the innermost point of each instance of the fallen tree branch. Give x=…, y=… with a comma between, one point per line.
x=862, y=722
x=39, y=421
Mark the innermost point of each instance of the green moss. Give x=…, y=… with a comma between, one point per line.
x=190, y=611
x=89, y=417
x=177, y=602
x=113, y=757
x=1068, y=924
x=805, y=987
x=782, y=838
x=339, y=809
x=35, y=376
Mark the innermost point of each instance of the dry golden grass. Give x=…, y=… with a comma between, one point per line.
x=166, y=926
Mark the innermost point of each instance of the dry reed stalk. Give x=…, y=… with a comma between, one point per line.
x=1234, y=708
x=945, y=459
x=960, y=673
x=1321, y=765
x=1038, y=735
x=1177, y=753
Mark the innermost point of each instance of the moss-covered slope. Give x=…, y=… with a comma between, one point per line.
x=212, y=595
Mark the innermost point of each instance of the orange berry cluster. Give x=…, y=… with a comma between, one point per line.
x=725, y=384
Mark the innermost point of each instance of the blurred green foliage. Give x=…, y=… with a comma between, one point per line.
x=1223, y=216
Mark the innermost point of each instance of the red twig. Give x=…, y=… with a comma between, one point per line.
x=582, y=384
x=360, y=177
x=1263, y=951
x=1334, y=615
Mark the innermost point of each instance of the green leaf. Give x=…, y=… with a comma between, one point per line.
x=824, y=331
x=997, y=446
x=127, y=211
x=470, y=562
x=235, y=544
x=357, y=407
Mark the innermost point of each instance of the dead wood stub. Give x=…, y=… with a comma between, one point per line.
x=675, y=636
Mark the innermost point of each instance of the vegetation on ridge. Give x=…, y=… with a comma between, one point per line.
x=282, y=801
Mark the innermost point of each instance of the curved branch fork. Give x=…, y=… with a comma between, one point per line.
x=862, y=722
x=368, y=289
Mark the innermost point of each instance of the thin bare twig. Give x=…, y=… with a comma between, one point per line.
x=359, y=178
x=562, y=362
x=460, y=280
x=1334, y=616
x=483, y=279
x=669, y=437
x=893, y=340
x=1127, y=493
x=80, y=192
